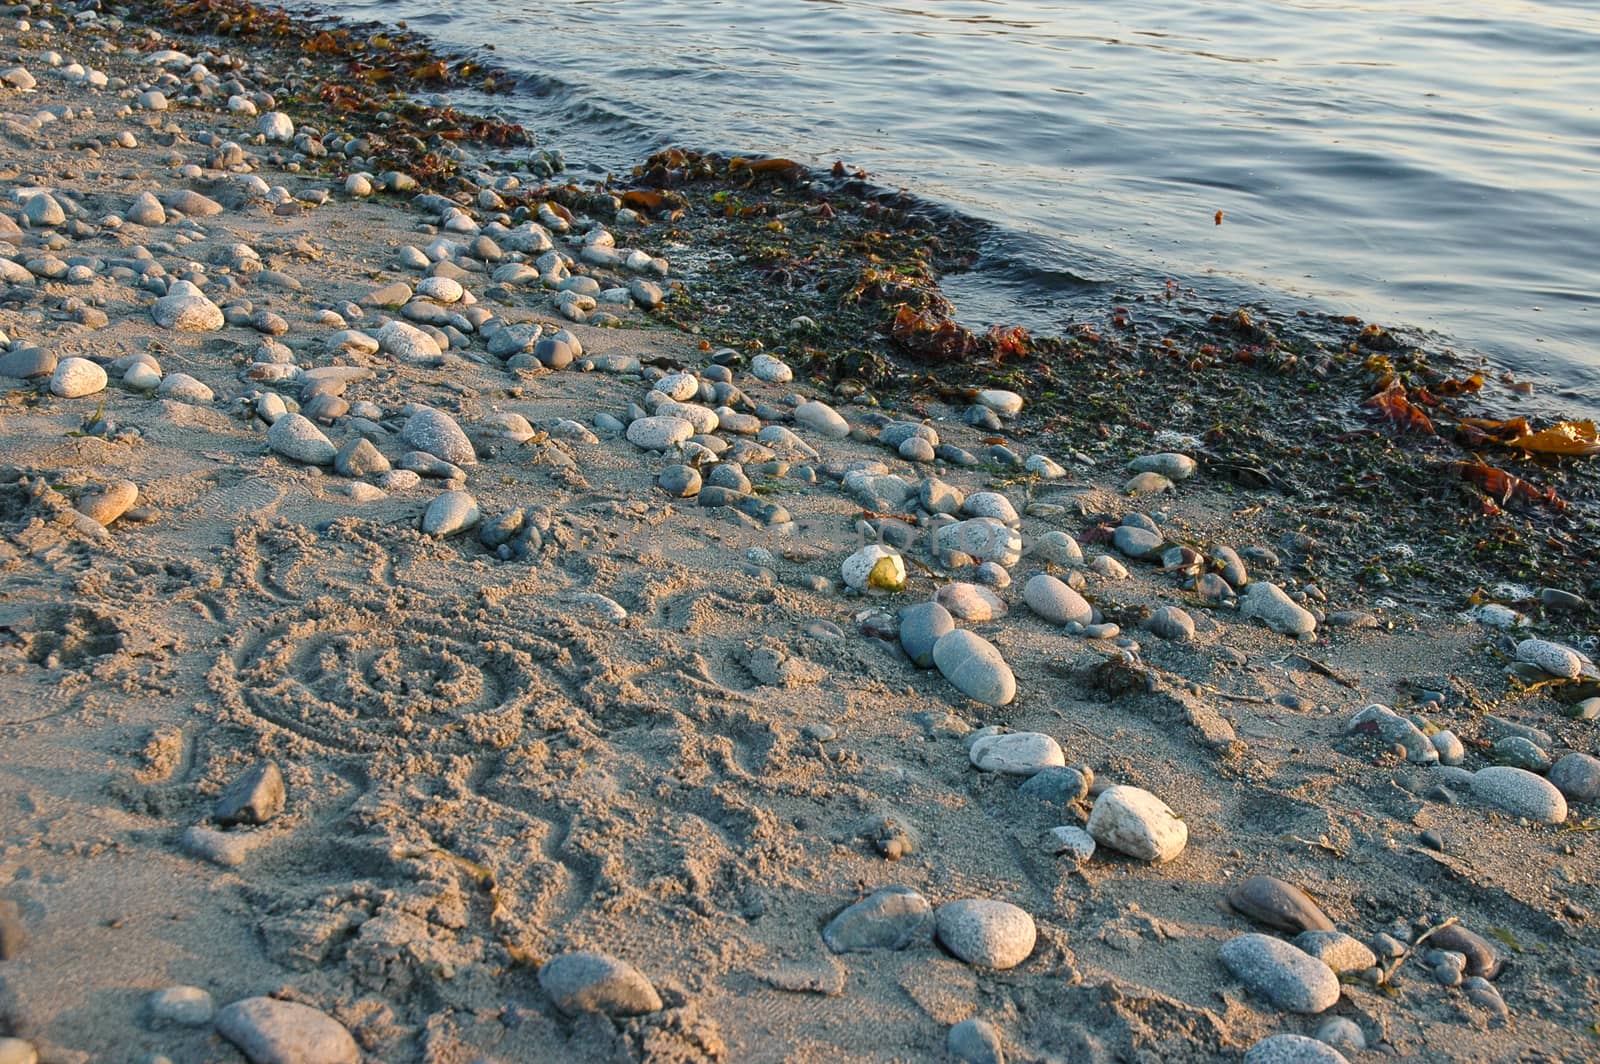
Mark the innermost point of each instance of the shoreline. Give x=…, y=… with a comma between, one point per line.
x=475, y=660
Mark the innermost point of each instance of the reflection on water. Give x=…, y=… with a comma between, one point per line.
x=1415, y=162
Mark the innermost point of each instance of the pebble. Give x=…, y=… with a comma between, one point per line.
x=974, y=667
x=1483, y=994
x=409, y=343
x=182, y=388
x=1293, y=1049
x=1280, y=905
x=1287, y=977
x=1557, y=599
x=888, y=919
x=1137, y=823
x=1016, y=753
x=986, y=932
x=1170, y=622
x=450, y=513
x=108, y=502
x=186, y=309
x=585, y=981
x=276, y=127
x=1168, y=464
x=225, y=848
x=296, y=438
x=27, y=362
x=659, y=433
x=1147, y=484
x=1272, y=605
x=771, y=370
x=1041, y=466
x=1055, y=602
x=254, y=798
x=1394, y=729
x=921, y=626
x=146, y=210
x=1339, y=951
x=1521, y=793
x=969, y=602
x=1136, y=542
x=1073, y=841
x=1059, y=785
x=1520, y=752
x=975, y=1041
x=76, y=377
x=437, y=433
x=1058, y=548
x=990, y=504
x=42, y=211
x=679, y=481
x=1109, y=567
x=1577, y=776
x=269, y=1031
x=984, y=538
x=360, y=458
x=822, y=419
x=1451, y=750
x=1553, y=658
x=1004, y=403
x=1341, y=1032
x=185, y=1006
x=874, y=567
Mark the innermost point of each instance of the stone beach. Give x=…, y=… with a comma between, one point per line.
x=416, y=643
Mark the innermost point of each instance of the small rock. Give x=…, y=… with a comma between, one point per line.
x=1340, y=1032
x=13, y=932
x=1170, y=622
x=296, y=438
x=1147, y=484
x=920, y=628
x=41, y=211
x=1016, y=753
x=1293, y=1049
x=986, y=932
x=1073, y=841
x=1577, y=776
x=1272, y=605
x=975, y=1041
x=146, y=210
x=1061, y=786
x=585, y=981
x=182, y=388
x=269, y=1031
x=437, y=433
x=450, y=513
x=360, y=458
x=1136, y=542
x=1168, y=464
x=186, y=309
x=254, y=798
x=276, y=127
x=822, y=419
x=185, y=1006
x=75, y=378
x=1280, y=905
x=17, y=1051
x=1339, y=951
x=679, y=481
x=771, y=370
x=1553, y=658
x=1285, y=976
x=1004, y=403
x=874, y=567
x=1055, y=602
x=889, y=919
x=1137, y=823
x=969, y=602
x=1058, y=548
x=1521, y=793
x=108, y=502
x=659, y=433
x=974, y=667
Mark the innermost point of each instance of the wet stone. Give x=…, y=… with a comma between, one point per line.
x=889, y=919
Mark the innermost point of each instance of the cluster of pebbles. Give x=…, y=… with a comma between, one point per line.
x=950, y=539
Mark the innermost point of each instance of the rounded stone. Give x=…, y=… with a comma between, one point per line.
x=1554, y=658
x=771, y=370
x=986, y=539
x=1016, y=753
x=186, y=309
x=986, y=932
x=17, y=1051
x=1341, y=1032
x=1002, y=402
x=585, y=981
x=974, y=667
x=437, y=433
x=1137, y=823
x=1170, y=622
x=1073, y=841
x=184, y=389
x=186, y=1006
x=1339, y=951
x=921, y=626
x=76, y=377
x=296, y=438
x=1058, y=548
x=975, y=1041
x=822, y=419
x=1270, y=604
x=990, y=504
x=1293, y=1049
x=969, y=602
x=450, y=513
x=1521, y=793
x=889, y=919
x=269, y=1031
x=1284, y=906
x=1168, y=464
x=1287, y=977
x=679, y=481
x=1055, y=602
x=659, y=433
x=1059, y=785
x=1577, y=776
x=108, y=502
x=874, y=568
x=1136, y=542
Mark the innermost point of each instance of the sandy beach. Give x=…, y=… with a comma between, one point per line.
x=427, y=633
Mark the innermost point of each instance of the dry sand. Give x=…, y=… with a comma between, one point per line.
x=484, y=771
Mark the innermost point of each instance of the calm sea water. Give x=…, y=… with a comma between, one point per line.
x=1433, y=164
